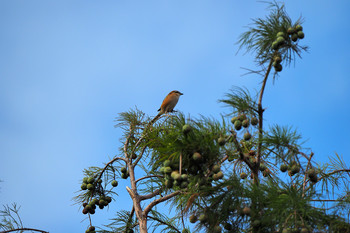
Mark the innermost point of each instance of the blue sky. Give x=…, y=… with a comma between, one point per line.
x=67, y=68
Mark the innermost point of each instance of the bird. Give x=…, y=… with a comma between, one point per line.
x=168, y=105
x=169, y=102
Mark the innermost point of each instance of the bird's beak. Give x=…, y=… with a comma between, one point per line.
x=181, y=93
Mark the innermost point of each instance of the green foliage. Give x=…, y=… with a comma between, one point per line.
x=282, y=143
x=130, y=120
x=260, y=37
x=241, y=101
x=168, y=142
x=123, y=222
x=163, y=224
x=229, y=176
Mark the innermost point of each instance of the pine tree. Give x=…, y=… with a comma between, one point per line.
x=227, y=175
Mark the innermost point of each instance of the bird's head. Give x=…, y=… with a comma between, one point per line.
x=177, y=93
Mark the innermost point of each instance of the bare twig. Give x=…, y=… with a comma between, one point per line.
x=140, y=156
x=130, y=217
x=150, y=195
x=24, y=229
x=127, y=143
x=147, y=177
x=325, y=200
x=162, y=199
x=307, y=167
x=108, y=164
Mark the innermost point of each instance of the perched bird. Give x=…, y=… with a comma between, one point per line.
x=169, y=102
x=168, y=105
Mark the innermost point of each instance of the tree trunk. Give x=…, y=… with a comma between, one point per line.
x=141, y=217
x=143, y=224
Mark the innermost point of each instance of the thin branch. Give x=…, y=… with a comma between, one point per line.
x=130, y=217
x=307, y=167
x=157, y=117
x=261, y=110
x=182, y=217
x=19, y=218
x=15, y=210
x=109, y=163
x=334, y=172
x=224, y=159
x=146, y=177
x=137, y=144
x=303, y=154
x=143, y=136
x=149, y=196
x=89, y=215
x=140, y=156
x=250, y=71
x=325, y=200
x=24, y=229
x=127, y=143
x=157, y=201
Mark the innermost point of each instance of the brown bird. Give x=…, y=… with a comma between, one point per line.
x=168, y=105
x=169, y=102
